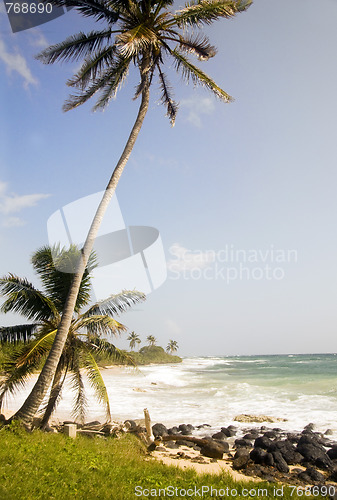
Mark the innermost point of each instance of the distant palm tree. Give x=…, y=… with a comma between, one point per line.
x=133, y=339
x=172, y=346
x=147, y=34
x=83, y=341
x=151, y=340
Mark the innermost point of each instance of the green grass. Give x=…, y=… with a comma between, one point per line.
x=40, y=466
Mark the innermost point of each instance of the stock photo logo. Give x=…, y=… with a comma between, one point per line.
x=24, y=15
x=128, y=257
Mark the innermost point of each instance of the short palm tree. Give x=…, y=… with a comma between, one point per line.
x=134, y=339
x=151, y=340
x=172, y=346
x=84, y=340
x=145, y=34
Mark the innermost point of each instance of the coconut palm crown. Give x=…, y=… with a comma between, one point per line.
x=142, y=33
x=85, y=338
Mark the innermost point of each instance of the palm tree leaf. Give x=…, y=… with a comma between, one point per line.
x=201, y=12
x=100, y=346
x=96, y=382
x=166, y=97
x=22, y=362
x=100, y=324
x=17, y=332
x=75, y=47
x=93, y=66
x=191, y=72
x=116, y=304
x=119, y=72
x=198, y=45
x=56, y=267
x=25, y=299
x=136, y=40
x=76, y=380
x=98, y=9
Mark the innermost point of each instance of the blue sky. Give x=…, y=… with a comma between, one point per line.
x=255, y=175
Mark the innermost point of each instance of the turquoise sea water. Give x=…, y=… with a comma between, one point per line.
x=213, y=390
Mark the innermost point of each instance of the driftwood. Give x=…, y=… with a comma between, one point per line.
x=208, y=447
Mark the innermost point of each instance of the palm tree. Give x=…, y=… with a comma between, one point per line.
x=83, y=342
x=145, y=34
x=172, y=346
x=134, y=339
x=151, y=340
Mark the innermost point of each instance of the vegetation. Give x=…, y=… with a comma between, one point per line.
x=51, y=466
x=151, y=340
x=134, y=339
x=84, y=340
x=172, y=346
x=153, y=354
x=144, y=34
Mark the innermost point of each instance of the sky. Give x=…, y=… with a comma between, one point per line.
x=242, y=194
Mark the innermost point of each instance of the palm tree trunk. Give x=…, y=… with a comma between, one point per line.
x=28, y=410
x=54, y=395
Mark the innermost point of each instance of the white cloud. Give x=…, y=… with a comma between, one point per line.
x=197, y=106
x=15, y=62
x=12, y=203
x=37, y=38
x=186, y=260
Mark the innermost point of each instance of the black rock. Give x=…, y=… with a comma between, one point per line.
x=159, y=430
x=250, y=436
x=212, y=449
x=270, y=434
x=269, y=459
x=246, y=443
x=287, y=450
x=202, y=426
x=280, y=463
x=224, y=445
x=262, y=442
x=332, y=453
x=219, y=435
x=258, y=455
x=173, y=431
x=333, y=476
x=241, y=459
x=311, y=475
x=228, y=432
x=185, y=429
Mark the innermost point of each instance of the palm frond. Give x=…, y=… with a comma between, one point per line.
x=75, y=47
x=116, y=304
x=96, y=382
x=98, y=9
x=92, y=67
x=191, y=72
x=25, y=299
x=120, y=71
x=100, y=324
x=100, y=346
x=17, y=332
x=22, y=362
x=166, y=97
x=56, y=267
x=76, y=380
x=135, y=40
x=199, y=46
x=201, y=12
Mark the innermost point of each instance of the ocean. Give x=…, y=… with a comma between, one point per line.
x=213, y=390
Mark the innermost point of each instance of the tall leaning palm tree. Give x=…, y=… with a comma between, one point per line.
x=146, y=35
x=84, y=340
